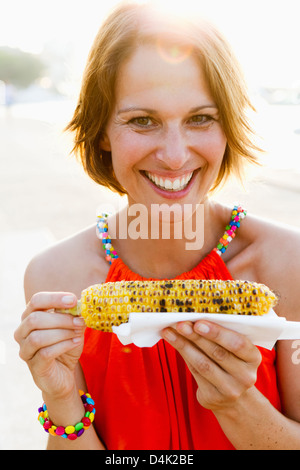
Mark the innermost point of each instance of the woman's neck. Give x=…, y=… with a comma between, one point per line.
x=165, y=249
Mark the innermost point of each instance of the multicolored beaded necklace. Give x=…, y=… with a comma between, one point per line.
x=237, y=215
x=102, y=233
x=111, y=255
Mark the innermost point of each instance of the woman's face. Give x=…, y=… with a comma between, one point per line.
x=164, y=134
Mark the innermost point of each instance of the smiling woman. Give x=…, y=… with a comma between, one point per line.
x=193, y=39
x=153, y=119
x=162, y=119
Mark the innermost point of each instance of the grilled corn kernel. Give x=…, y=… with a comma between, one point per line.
x=109, y=304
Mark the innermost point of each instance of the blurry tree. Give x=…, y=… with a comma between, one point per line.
x=19, y=68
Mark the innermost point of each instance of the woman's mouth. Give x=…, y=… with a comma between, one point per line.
x=170, y=184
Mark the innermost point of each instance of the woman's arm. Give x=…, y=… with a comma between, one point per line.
x=260, y=425
x=69, y=411
x=224, y=365
x=51, y=344
x=254, y=424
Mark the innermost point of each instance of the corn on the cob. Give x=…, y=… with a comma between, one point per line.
x=108, y=304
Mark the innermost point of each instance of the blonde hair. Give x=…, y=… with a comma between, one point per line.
x=128, y=26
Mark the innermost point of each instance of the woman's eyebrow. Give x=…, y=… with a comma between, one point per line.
x=205, y=106
x=153, y=111
x=133, y=108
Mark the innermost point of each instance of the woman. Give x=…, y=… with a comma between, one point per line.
x=162, y=118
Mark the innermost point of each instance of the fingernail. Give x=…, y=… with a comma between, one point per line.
x=68, y=299
x=186, y=329
x=77, y=339
x=78, y=321
x=202, y=328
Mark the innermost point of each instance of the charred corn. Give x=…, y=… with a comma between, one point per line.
x=109, y=304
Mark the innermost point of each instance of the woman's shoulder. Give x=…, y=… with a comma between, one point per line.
x=273, y=242
x=68, y=265
x=271, y=252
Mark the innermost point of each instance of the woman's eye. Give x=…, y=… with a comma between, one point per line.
x=142, y=121
x=201, y=119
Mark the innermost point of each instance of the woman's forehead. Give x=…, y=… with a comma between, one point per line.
x=160, y=71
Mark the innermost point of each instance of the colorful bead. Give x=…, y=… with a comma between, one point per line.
x=47, y=424
x=237, y=215
x=60, y=430
x=102, y=228
x=86, y=421
x=78, y=426
x=69, y=432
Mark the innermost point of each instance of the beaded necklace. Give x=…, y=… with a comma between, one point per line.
x=237, y=215
x=111, y=255
x=102, y=234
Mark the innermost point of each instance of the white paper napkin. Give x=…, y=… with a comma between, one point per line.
x=143, y=329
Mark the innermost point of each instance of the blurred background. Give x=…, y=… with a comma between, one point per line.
x=44, y=194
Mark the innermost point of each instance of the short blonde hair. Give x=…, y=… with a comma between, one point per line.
x=128, y=26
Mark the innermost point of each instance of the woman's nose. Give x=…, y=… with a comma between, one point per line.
x=173, y=150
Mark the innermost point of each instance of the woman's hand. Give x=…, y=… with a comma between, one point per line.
x=51, y=343
x=224, y=363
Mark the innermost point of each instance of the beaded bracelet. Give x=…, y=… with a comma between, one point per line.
x=70, y=432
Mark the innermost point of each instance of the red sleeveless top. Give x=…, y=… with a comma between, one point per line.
x=146, y=397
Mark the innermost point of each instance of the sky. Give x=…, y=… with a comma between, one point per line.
x=265, y=34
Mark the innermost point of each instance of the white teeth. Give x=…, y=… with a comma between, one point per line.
x=168, y=184
x=176, y=185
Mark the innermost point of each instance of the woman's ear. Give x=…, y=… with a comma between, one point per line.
x=105, y=143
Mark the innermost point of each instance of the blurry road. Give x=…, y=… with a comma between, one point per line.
x=44, y=197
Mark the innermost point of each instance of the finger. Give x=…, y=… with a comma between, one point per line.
x=45, y=356
x=233, y=352
x=49, y=300
x=225, y=386
x=213, y=350
x=40, y=339
x=51, y=320
x=236, y=343
x=40, y=320
x=207, y=394
x=198, y=362
x=214, y=393
x=244, y=372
